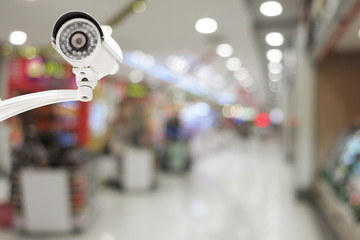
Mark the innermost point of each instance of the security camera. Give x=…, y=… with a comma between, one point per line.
x=87, y=46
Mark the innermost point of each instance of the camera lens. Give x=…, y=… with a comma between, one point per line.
x=78, y=40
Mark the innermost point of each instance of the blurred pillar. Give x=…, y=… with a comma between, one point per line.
x=305, y=115
x=5, y=160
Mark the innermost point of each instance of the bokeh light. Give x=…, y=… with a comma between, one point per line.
x=206, y=25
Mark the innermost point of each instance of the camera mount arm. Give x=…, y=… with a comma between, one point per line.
x=86, y=80
x=23, y=103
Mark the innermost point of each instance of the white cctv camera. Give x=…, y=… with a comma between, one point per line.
x=88, y=47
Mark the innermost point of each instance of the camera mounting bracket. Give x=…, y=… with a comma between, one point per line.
x=86, y=80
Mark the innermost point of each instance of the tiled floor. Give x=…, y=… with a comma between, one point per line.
x=236, y=190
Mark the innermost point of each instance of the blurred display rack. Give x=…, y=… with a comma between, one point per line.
x=55, y=200
x=337, y=191
x=340, y=216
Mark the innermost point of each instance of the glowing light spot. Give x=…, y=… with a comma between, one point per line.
x=274, y=55
x=271, y=8
x=139, y=6
x=233, y=64
x=224, y=50
x=206, y=25
x=274, y=39
x=17, y=37
x=262, y=120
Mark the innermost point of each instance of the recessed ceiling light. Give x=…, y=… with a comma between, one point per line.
x=275, y=87
x=139, y=6
x=177, y=64
x=224, y=50
x=274, y=77
x=247, y=82
x=274, y=55
x=17, y=38
x=148, y=61
x=275, y=67
x=274, y=39
x=241, y=74
x=271, y=8
x=206, y=25
x=204, y=72
x=233, y=64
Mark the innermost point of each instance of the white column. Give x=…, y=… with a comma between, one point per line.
x=305, y=83
x=5, y=160
x=305, y=113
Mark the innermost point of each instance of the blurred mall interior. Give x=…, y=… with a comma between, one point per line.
x=234, y=119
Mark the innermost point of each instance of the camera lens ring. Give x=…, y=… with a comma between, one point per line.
x=78, y=39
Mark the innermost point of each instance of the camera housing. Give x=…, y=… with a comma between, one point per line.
x=87, y=46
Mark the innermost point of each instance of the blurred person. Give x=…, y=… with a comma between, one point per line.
x=177, y=156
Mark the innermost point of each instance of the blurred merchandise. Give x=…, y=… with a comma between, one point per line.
x=6, y=215
x=343, y=170
x=178, y=156
x=337, y=192
x=97, y=121
x=132, y=140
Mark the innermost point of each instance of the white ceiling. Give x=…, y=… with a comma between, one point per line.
x=167, y=28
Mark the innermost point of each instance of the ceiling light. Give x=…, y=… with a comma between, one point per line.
x=17, y=37
x=247, y=83
x=275, y=87
x=233, y=64
x=274, y=55
x=271, y=8
x=177, y=64
x=274, y=39
x=204, y=72
x=206, y=25
x=241, y=74
x=274, y=77
x=148, y=61
x=275, y=67
x=137, y=56
x=224, y=50
x=139, y=6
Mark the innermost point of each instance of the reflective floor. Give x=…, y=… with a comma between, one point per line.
x=237, y=189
